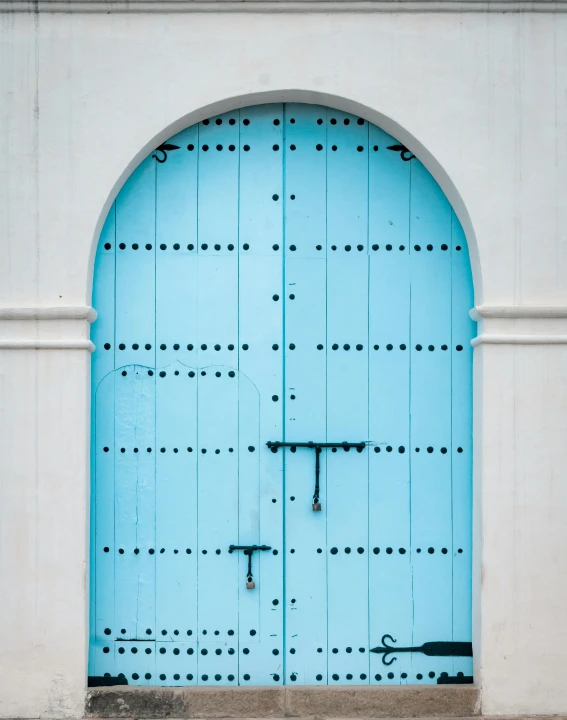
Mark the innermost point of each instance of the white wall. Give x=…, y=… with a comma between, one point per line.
x=479, y=97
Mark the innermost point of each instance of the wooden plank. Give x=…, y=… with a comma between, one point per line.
x=347, y=398
x=305, y=392
x=103, y=550
x=463, y=330
x=134, y=440
x=102, y=462
x=430, y=412
x=390, y=572
x=176, y=410
x=217, y=424
x=260, y=329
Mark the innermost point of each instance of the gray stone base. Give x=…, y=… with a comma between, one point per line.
x=329, y=702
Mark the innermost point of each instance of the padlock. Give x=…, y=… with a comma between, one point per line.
x=250, y=584
x=317, y=507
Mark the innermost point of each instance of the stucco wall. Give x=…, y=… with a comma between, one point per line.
x=480, y=98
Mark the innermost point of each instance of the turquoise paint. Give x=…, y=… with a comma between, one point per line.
x=263, y=276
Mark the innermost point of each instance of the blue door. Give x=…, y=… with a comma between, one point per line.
x=281, y=412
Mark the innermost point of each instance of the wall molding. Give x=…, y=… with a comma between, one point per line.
x=517, y=335
x=518, y=312
x=512, y=339
x=279, y=6
x=26, y=344
x=74, y=312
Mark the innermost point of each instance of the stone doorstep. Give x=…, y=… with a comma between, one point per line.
x=299, y=702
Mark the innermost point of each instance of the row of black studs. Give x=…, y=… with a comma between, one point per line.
x=188, y=551
x=333, y=551
x=275, y=247
x=275, y=346
x=276, y=677
x=108, y=631
x=177, y=676
x=251, y=448
x=275, y=147
x=276, y=121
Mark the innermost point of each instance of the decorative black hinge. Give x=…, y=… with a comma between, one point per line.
x=164, y=148
x=105, y=681
x=433, y=649
x=249, y=550
x=458, y=679
x=318, y=447
x=405, y=154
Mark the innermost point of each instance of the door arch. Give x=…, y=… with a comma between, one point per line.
x=285, y=274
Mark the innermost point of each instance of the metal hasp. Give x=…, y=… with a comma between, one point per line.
x=433, y=649
x=318, y=447
x=248, y=550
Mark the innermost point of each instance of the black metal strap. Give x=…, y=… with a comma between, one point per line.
x=433, y=649
x=311, y=444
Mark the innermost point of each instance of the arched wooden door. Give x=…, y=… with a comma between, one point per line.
x=282, y=365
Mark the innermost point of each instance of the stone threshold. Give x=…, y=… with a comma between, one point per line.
x=404, y=701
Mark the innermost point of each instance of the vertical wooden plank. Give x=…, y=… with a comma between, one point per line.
x=217, y=382
x=260, y=329
x=135, y=410
x=103, y=550
x=305, y=391
x=347, y=397
x=463, y=330
x=102, y=463
x=218, y=499
x=135, y=504
x=430, y=412
x=176, y=512
x=176, y=410
x=390, y=577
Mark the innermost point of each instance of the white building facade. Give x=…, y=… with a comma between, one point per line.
x=477, y=91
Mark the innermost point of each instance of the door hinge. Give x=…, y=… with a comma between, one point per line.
x=432, y=649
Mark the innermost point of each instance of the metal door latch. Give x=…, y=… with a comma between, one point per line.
x=318, y=447
x=249, y=550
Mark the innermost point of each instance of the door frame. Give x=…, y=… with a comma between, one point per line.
x=303, y=701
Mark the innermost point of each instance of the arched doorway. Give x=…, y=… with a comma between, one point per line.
x=282, y=365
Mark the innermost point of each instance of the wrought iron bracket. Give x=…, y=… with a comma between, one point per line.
x=249, y=550
x=318, y=447
x=432, y=649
